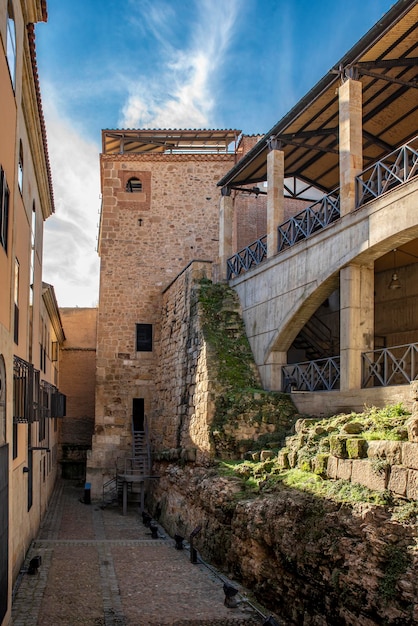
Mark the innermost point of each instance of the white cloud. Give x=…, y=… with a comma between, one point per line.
x=71, y=262
x=181, y=95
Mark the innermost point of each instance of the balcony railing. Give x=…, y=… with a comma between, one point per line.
x=394, y=169
x=309, y=221
x=397, y=365
x=318, y=375
x=247, y=257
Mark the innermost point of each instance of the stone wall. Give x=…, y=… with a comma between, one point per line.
x=309, y=560
x=185, y=379
x=209, y=400
x=77, y=382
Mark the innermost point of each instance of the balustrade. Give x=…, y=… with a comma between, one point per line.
x=309, y=221
x=248, y=257
x=397, y=365
x=394, y=169
x=318, y=375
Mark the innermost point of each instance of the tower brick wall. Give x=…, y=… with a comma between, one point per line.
x=146, y=238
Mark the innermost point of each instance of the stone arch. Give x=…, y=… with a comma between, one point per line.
x=298, y=316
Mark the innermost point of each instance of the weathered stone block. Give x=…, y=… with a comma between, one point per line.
x=320, y=463
x=398, y=480
x=337, y=444
x=356, y=448
x=304, y=423
x=364, y=474
x=283, y=459
x=412, y=486
x=332, y=467
x=353, y=428
x=410, y=454
x=344, y=469
x=292, y=457
x=412, y=427
x=388, y=450
x=265, y=455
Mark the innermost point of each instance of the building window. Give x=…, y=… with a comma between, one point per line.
x=144, y=337
x=16, y=303
x=134, y=185
x=20, y=169
x=4, y=209
x=11, y=42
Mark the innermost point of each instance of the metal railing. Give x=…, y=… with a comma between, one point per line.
x=309, y=221
x=396, y=365
x=394, y=169
x=318, y=375
x=248, y=257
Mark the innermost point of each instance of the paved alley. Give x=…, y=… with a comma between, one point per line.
x=101, y=568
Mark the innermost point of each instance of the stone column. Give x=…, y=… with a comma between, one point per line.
x=226, y=212
x=356, y=321
x=351, y=141
x=275, y=197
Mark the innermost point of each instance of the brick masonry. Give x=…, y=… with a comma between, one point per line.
x=146, y=239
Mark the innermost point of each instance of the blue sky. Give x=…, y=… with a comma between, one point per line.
x=168, y=64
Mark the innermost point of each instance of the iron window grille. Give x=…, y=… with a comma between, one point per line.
x=144, y=337
x=23, y=378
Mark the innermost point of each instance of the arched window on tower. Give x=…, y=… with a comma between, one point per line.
x=133, y=185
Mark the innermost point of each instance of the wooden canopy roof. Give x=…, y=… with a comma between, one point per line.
x=168, y=140
x=385, y=60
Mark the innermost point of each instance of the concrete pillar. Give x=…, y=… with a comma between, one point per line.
x=275, y=198
x=351, y=141
x=226, y=212
x=356, y=321
x=271, y=371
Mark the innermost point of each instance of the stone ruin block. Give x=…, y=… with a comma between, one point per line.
x=398, y=480
x=283, y=459
x=332, y=467
x=338, y=446
x=412, y=427
x=410, y=454
x=391, y=451
x=344, y=469
x=412, y=487
x=356, y=448
x=363, y=473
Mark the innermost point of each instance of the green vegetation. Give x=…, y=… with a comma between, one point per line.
x=244, y=412
x=302, y=463
x=268, y=476
x=224, y=332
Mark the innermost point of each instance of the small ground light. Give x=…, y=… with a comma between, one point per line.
x=34, y=564
x=230, y=600
x=146, y=519
x=270, y=621
x=179, y=542
x=154, y=530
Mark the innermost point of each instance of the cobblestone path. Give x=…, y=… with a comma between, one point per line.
x=101, y=568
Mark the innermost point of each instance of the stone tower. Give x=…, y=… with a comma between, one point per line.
x=159, y=212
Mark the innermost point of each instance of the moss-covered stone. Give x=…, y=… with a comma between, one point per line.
x=320, y=464
x=338, y=446
x=356, y=448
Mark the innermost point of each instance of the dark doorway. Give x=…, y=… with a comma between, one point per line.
x=138, y=415
x=4, y=529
